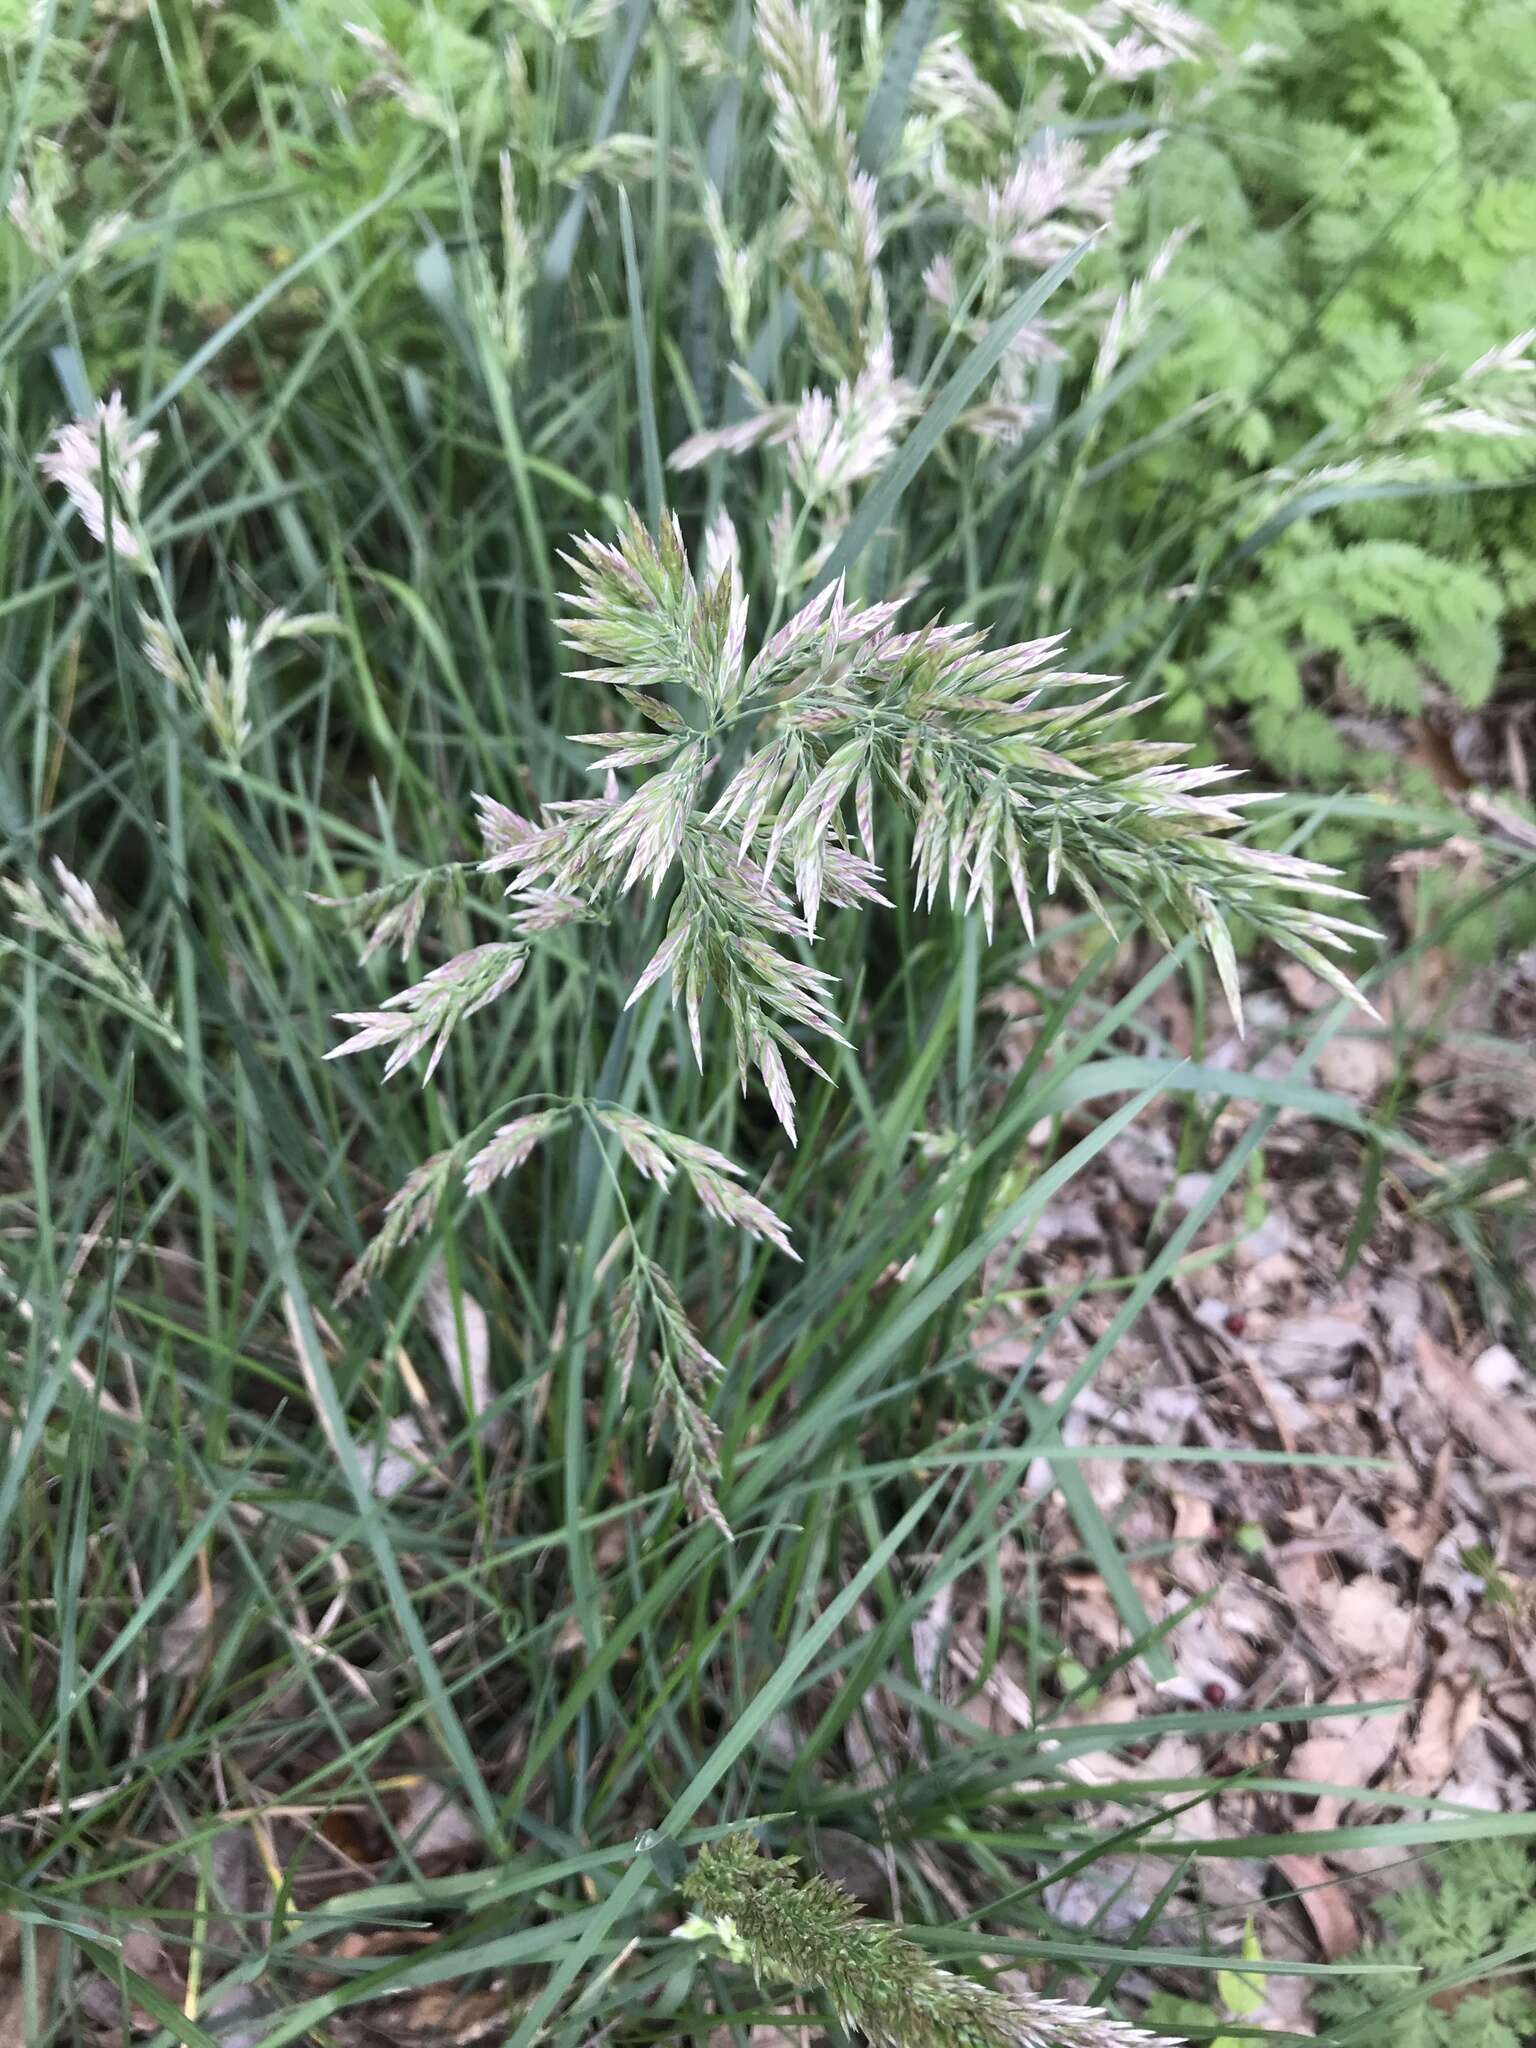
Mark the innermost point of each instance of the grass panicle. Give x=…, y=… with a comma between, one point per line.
x=804, y=1931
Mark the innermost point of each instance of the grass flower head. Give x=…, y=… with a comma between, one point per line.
x=103, y=443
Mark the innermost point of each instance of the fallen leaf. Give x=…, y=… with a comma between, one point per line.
x=1302, y=1577
x=1287, y=2007
x=928, y=1634
x=1416, y=1526
x=1304, y=1343
x=353, y=1834
x=1190, y=1189
x=1433, y=752
x=1497, y=1428
x=1089, y=1608
x=399, y=1460
x=1193, y=1518
x=1449, y=1714
x=466, y=1350
x=1489, y=811
x=1350, y=1751
x=183, y=1639
x=447, y=2016
x=998, y=1689
x=101, y=1999
x=1110, y=1897
x=1325, y=1902
x=359, y=1944
x=1497, y=1370
x=1356, y=1066
x=436, y=1824
x=1367, y=1621
x=1303, y=987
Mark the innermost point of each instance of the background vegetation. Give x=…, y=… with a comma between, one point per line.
x=412, y=300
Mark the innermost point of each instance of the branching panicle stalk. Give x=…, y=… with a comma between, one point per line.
x=1007, y=764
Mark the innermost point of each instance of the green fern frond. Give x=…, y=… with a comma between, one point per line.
x=1480, y=1905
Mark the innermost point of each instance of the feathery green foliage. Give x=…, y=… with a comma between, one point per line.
x=1470, y=1933
x=1352, y=319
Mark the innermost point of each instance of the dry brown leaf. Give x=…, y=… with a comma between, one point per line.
x=184, y=1639
x=570, y=1639
x=358, y=1944
x=1369, y=1624
x=1193, y=1518
x=1325, y=1902
x=100, y=1999
x=1356, y=1066
x=1350, y=1751
x=1489, y=811
x=999, y=1688
x=1303, y=987
x=1432, y=750
x=1090, y=1609
x=437, y=1825
x=1449, y=1715
x=1287, y=2007
x=1302, y=1575
x=1416, y=1526
x=1498, y=1429
x=446, y=2015
x=1308, y=1343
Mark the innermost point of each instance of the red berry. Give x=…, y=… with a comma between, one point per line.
x=1214, y=1693
x=1236, y=1322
